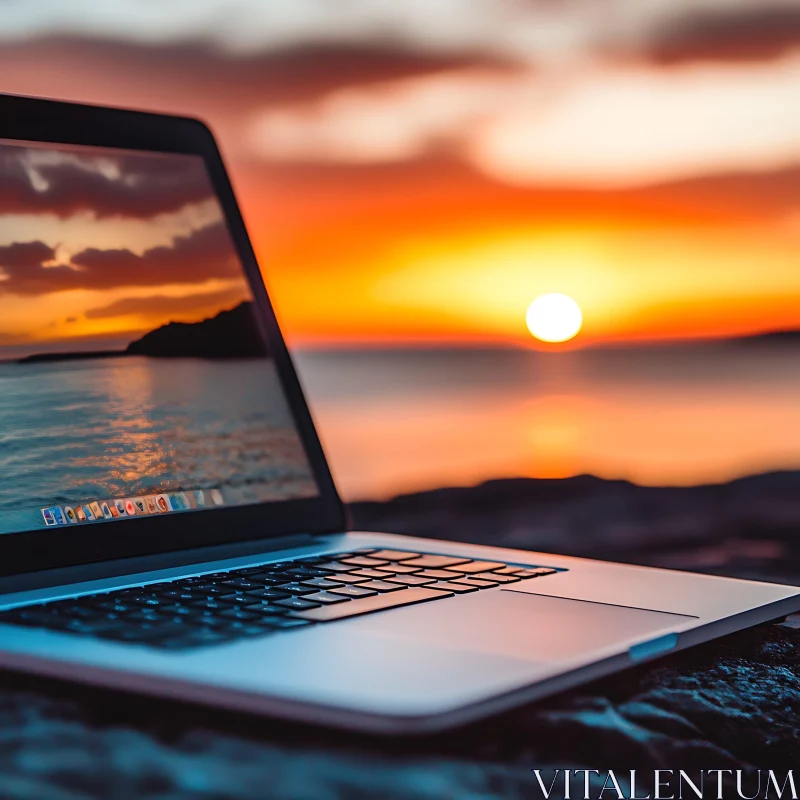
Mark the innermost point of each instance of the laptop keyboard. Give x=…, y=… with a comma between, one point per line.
x=224, y=606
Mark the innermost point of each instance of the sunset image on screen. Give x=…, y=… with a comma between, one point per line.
x=131, y=364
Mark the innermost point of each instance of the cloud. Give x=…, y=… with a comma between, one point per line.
x=255, y=25
x=746, y=33
x=161, y=305
x=25, y=255
x=207, y=253
x=64, y=182
x=620, y=127
x=602, y=126
x=389, y=121
x=195, y=77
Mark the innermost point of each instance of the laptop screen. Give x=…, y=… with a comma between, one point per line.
x=134, y=379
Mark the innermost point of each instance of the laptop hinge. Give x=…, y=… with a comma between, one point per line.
x=131, y=566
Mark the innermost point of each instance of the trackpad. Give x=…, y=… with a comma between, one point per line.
x=534, y=627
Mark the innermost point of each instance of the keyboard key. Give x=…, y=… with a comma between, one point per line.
x=536, y=572
x=302, y=574
x=269, y=620
x=476, y=566
x=437, y=562
x=242, y=583
x=178, y=611
x=394, y=555
x=298, y=602
x=352, y=591
x=238, y=614
x=76, y=610
x=508, y=570
x=315, y=572
x=322, y=583
x=377, y=602
x=326, y=598
x=117, y=606
x=274, y=578
x=209, y=621
x=285, y=624
x=211, y=589
x=181, y=594
x=146, y=632
x=269, y=593
x=238, y=629
x=364, y=561
x=264, y=609
x=410, y=580
x=336, y=566
x=439, y=574
x=398, y=569
x=368, y=573
x=150, y=600
x=350, y=579
x=477, y=582
x=453, y=586
x=236, y=599
x=209, y=605
x=484, y=577
x=298, y=588
x=495, y=578
x=383, y=586
x=146, y=615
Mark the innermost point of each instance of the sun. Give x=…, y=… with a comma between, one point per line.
x=554, y=318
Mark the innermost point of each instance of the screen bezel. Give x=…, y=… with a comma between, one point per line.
x=59, y=123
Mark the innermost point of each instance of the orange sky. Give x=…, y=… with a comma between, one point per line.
x=399, y=194
x=98, y=247
x=456, y=258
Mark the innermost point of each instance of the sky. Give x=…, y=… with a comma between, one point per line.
x=419, y=172
x=100, y=246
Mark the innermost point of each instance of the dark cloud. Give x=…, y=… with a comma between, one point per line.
x=206, y=253
x=743, y=34
x=25, y=255
x=199, y=79
x=160, y=304
x=147, y=186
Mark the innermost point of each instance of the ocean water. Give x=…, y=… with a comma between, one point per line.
x=402, y=421
x=392, y=422
x=73, y=431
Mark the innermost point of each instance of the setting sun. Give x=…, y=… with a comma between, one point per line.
x=554, y=318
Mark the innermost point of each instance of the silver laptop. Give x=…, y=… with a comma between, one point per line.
x=168, y=522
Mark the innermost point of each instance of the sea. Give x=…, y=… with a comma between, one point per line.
x=72, y=431
x=394, y=421
x=401, y=421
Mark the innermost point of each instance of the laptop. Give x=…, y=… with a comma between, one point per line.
x=168, y=521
